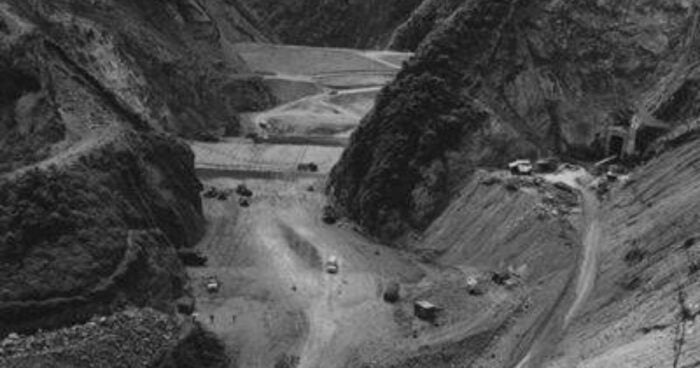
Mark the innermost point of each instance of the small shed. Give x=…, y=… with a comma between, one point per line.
x=425, y=310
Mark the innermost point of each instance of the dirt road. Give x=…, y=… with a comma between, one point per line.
x=591, y=244
x=592, y=238
x=592, y=234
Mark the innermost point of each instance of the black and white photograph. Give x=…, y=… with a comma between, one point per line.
x=349, y=183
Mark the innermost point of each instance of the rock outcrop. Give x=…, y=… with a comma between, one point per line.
x=135, y=338
x=508, y=78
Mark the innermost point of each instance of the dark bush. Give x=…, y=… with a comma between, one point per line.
x=632, y=284
x=634, y=256
x=392, y=292
x=689, y=243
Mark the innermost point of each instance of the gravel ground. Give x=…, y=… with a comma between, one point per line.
x=135, y=338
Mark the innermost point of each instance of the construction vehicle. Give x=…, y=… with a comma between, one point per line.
x=520, y=167
x=212, y=284
x=332, y=265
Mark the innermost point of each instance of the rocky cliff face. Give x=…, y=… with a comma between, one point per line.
x=503, y=79
x=338, y=23
x=97, y=195
x=426, y=18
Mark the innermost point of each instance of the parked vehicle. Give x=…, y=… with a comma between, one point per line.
x=520, y=167
x=212, y=284
x=332, y=265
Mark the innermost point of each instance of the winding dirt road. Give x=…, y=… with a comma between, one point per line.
x=592, y=240
x=591, y=246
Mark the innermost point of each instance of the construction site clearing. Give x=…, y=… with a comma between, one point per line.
x=294, y=279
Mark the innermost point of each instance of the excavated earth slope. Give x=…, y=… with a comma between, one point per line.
x=645, y=304
x=510, y=78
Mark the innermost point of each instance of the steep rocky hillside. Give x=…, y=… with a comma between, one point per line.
x=167, y=62
x=96, y=194
x=364, y=24
x=644, y=308
x=97, y=232
x=425, y=19
x=503, y=79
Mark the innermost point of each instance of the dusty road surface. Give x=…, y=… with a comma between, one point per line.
x=592, y=240
x=591, y=245
x=270, y=260
x=580, y=180
x=277, y=304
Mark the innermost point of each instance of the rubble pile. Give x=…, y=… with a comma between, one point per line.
x=133, y=338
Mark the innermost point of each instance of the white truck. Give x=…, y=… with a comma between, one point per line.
x=332, y=265
x=212, y=284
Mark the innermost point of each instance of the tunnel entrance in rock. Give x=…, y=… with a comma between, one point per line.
x=616, y=145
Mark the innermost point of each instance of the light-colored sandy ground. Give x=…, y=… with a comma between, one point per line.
x=322, y=92
x=302, y=60
x=241, y=154
x=277, y=302
x=270, y=258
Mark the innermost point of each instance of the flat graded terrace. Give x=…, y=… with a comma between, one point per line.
x=300, y=60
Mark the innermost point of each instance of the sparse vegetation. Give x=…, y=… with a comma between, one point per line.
x=633, y=283
x=634, y=256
